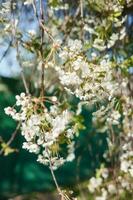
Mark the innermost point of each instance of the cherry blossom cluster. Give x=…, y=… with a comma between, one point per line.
x=126, y=159
x=90, y=80
x=106, y=117
x=116, y=119
x=104, y=187
x=44, y=129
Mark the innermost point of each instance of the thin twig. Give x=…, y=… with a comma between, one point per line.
x=18, y=56
x=22, y=72
x=81, y=8
x=24, y=81
x=6, y=51
x=11, y=138
x=41, y=49
x=40, y=21
x=53, y=175
x=63, y=196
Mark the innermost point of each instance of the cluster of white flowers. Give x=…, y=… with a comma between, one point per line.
x=106, y=117
x=126, y=159
x=119, y=179
x=104, y=187
x=96, y=182
x=87, y=80
x=101, y=45
x=114, y=117
x=44, y=129
x=95, y=26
